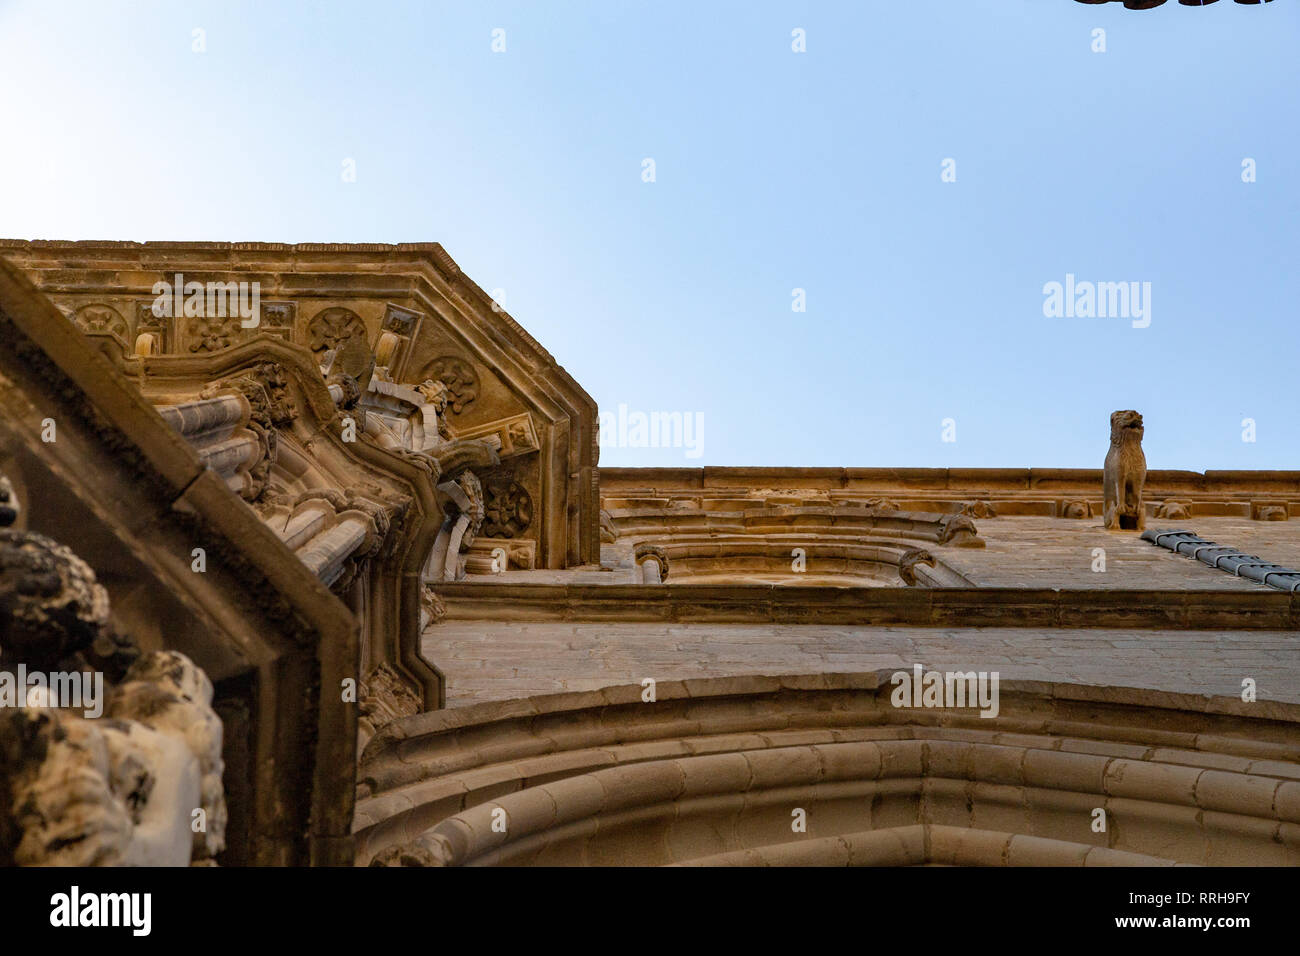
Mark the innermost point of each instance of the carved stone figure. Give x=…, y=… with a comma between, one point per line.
x=1173, y=510
x=332, y=327
x=125, y=786
x=1076, y=508
x=959, y=531
x=1125, y=473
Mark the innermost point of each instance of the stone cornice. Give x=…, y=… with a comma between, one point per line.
x=919, y=481
x=485, y=599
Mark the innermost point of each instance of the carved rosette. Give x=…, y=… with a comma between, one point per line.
x=509, y=508
x=333, y=327
x=458, y=375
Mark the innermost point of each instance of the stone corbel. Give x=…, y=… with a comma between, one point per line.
x=959, y=531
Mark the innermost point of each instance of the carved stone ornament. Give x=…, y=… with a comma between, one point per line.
x=102, y=318
x=75, y=789
x=212, y=333
x=1173, y=510
x=959, y=531
x=334, y=326
x=509, y=508
x=458, y=375
x=1076, y=508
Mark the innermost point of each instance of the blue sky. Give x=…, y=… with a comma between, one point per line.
x=774, y=170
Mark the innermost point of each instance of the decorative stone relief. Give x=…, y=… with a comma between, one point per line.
x=1075, y=508
x=385, y=696
x=1125, y=473
x=212, y=333
x=460, y=378
x=979, y=509
x=432, y=608
x=334, y=326
x=882, y=504
x=1173, y=510
x=959, y=531
x=608, y=531
x=509, y=508
x=102, y=318
x=77, y=790
x=509, y=437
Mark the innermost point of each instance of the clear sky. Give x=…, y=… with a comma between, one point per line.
x=773, y=171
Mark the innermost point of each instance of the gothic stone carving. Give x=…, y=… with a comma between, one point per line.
x=432, y=608
x=385, y=697
x=333, y=327
x=102, y=318
x=1173, y=510
x=212, y=333
x=1125, y=473
x=979, y=509
x=509, y=508
x=459, y=377
x=1075, y=508
x=959, y=531
x=77, y=790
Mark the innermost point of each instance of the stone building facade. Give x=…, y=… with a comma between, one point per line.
x=344, y=518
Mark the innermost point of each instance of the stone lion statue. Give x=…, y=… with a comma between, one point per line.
x=1125, y=473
